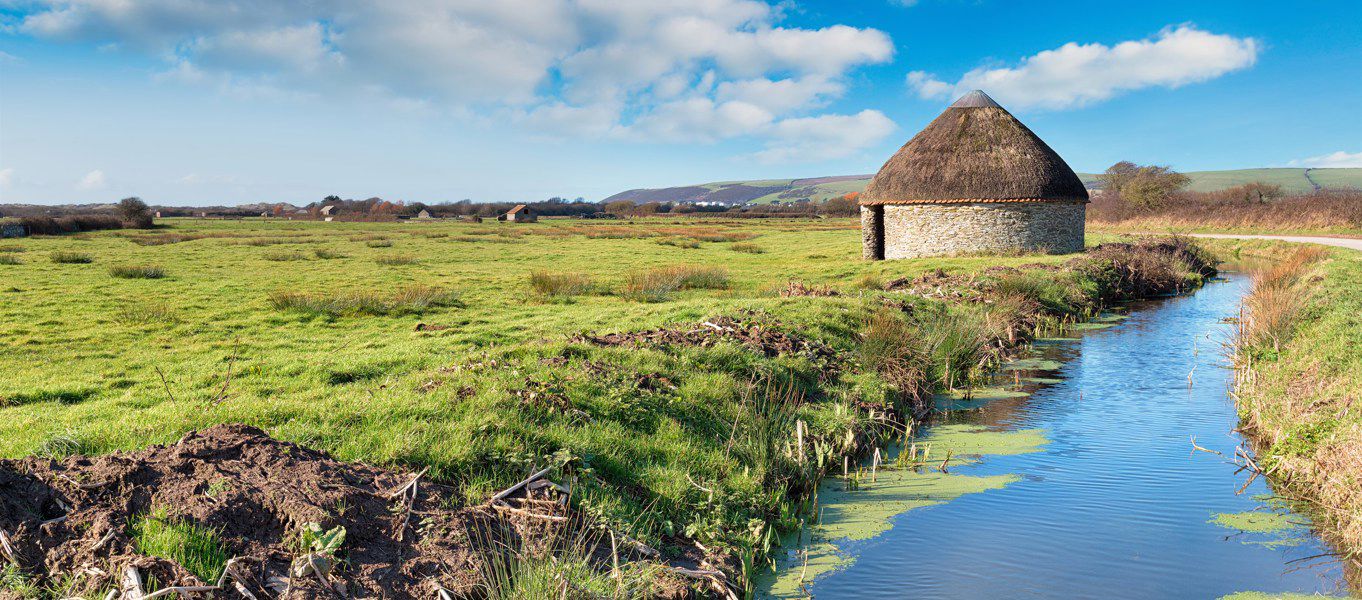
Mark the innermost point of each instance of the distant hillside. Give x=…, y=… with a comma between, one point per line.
x=818, y=189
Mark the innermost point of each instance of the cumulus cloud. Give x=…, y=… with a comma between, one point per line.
x=1336, y=160
x=94, y=180
x=671, y=69
x=1076, y=75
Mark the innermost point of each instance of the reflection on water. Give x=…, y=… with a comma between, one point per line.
x=1073, y=477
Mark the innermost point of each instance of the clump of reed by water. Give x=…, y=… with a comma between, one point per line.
x=1273, y=307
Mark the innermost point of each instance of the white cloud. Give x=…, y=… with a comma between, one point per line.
x=679, y=69
x=6, y=178
x=94, y=180
x=825, y=137
x=1076, y=74
x=1335, y=160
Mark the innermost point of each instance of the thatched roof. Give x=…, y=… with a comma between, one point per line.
x=517, y=209
x=976, y=151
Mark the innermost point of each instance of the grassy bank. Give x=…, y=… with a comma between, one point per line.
x=1300, y=380
x=684, y=388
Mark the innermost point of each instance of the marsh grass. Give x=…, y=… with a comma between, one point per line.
x=565, y=559
x=65, y=257
x=137, y=271
x=688, y=244
x=1273, y=308
x=398, y=260
x=658, y=285
x=747, y=248
x=285, y=256
x=405, y=301
x=12, y=249
x=143, y=312
x=329, y=254
x=546, y=284
x=380, y=243
x=10, y=259
x=194, y=547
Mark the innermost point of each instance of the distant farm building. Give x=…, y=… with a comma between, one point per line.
x=12, y=229
x=520, y=214
x=424, y=214
x=975, y=180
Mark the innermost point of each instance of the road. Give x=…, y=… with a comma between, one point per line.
x=1350, y=243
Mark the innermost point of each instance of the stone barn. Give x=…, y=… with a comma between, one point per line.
x=975, y=180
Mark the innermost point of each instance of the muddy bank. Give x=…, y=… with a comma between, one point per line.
x=73, y=521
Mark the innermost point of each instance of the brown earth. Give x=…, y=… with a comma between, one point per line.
x=750, y=333
x=71, y=517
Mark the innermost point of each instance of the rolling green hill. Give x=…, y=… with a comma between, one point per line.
x=818, y=189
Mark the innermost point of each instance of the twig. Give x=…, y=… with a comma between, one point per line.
x=164, y=383
x=532, y=515
x=132, y=584
x=6, y=549
x=104, y=540
x=1208, y=451
x=510, y=490
x=222, y=393
x=398, y=492
x=949, y=452
x=181, y=589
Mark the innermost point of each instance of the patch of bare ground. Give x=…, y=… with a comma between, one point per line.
x=748, y=332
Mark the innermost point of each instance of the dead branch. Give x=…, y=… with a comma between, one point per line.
x=511, y=490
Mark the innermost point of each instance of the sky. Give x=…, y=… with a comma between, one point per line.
x=203, y=102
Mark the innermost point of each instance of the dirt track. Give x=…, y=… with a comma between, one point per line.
x=1341, y=242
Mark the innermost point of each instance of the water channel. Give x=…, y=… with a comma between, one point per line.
x=1074, y=477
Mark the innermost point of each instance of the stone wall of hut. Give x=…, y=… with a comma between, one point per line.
x=916, y=230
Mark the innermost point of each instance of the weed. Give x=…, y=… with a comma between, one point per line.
x=72, y=258
x=137, y=271
x=193, y=546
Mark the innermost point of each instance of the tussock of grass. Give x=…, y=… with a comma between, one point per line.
x=380, y=243
x=559, y=285
x=679, y=243
x=194, y=547
x=726, y=236
x=62, y=445
x=397, y=260
x=870, y=281
x=137, y=271
x=748, y=248
x=9, y=259
x=1272, y=310
x=72, y=258
x=12, y=249
x=329, y=254
x=142, y=312
x=285, y=256
x=406, y=301
x=367, y=237
x=657, y=285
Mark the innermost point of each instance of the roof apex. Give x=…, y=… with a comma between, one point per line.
x=975, y=99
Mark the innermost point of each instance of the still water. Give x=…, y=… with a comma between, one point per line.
x=1074, y=477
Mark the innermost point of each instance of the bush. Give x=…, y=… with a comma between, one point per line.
x=748, y=248
x=410, y=300
x=137, y=271
x=559, y=285
x=657, y=285
x=70, y=224
x=72, y=258
x=135, y=213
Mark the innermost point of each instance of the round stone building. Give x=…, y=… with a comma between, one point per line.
x=975, y=180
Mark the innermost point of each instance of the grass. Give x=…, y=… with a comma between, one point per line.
x=137, y=271
x=398, y=260
x=1299, y=372
x=285, y=256
x=748, y=248
x=546, y=284
x=329, y=254
x=65, y=257
x=333, y=359
x=195, y=548
x=379, y=243
x=658, y=285
x=10, y=259
x=412, y=300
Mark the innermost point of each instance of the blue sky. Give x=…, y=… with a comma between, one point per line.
x=235, y=101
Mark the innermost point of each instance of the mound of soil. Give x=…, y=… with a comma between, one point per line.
x=756, y=336
x=72, y=519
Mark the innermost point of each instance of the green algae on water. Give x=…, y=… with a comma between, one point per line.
x=1256, y=521
x=1033, y=364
